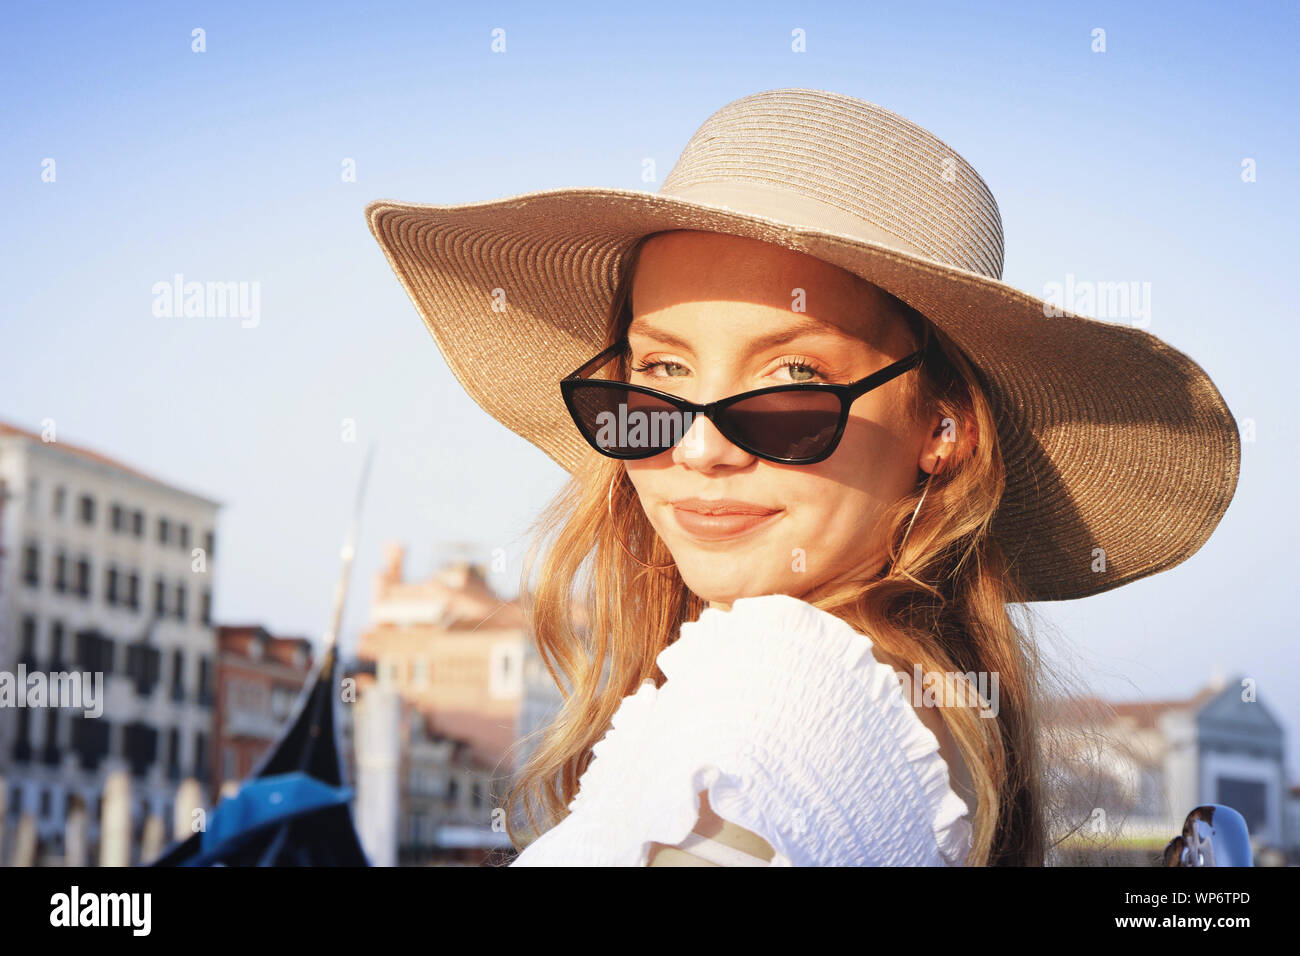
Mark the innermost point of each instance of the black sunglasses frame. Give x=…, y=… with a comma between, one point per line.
x=847, y=394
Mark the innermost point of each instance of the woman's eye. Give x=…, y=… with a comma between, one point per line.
x=804, y=370
x=646, y=367
x=799, y=371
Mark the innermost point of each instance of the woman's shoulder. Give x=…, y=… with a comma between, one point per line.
x=780, y=714
x=828, y=720
x=775, y=641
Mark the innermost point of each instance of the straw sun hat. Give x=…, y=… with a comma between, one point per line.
x=1112, y=439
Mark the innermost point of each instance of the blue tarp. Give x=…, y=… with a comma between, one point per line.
x=263, y=802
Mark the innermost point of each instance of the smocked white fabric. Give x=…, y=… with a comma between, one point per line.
x=780, y=711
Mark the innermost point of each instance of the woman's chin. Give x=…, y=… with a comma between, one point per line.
x=721, y=588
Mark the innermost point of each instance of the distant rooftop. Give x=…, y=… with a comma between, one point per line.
x=8, y=429
x=1144, y=713
x=455, y=597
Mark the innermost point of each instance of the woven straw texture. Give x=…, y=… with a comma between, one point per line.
x=1112, y=439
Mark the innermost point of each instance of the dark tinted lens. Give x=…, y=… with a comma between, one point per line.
x=623, y=422
x=795, y=424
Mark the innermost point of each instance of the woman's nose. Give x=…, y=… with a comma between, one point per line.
x=704, y=447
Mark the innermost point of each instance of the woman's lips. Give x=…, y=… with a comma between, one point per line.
x=719, y=527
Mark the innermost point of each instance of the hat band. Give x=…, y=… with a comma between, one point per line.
x=789, y=207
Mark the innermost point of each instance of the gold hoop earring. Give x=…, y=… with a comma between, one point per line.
x=915, y=511
x=609, y=509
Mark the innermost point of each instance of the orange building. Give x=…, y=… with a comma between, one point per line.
x=454, y=649
x=259, y=679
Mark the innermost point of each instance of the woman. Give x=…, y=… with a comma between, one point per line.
x=832, y=674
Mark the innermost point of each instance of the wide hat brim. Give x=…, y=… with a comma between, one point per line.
x=1121, y=455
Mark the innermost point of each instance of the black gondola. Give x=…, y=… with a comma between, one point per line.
x=293, y=809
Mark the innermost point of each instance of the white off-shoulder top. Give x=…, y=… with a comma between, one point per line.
x=780, y=711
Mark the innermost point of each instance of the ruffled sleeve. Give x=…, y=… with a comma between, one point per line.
x=782, y=714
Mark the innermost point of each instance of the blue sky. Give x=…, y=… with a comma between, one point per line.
x=225, y=165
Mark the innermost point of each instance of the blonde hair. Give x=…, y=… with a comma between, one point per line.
x=944, y=603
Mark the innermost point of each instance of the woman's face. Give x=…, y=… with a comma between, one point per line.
x=702, y=303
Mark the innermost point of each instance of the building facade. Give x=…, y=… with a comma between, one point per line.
x=448, y=795
x=453, y=653
x=1139, y=770
x=454, y=649
x=422, y=797
x=104, y=571
x=259, y=680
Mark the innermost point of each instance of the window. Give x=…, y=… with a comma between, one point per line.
x=83, y=578
x=90, y=739
x=28, y=655
x=205, y=607
x=31, y=565
x=60, y=499
x=22, y=751
x=1247, y=797
x=116, y=519
x=160, y=597
x=282, y=701
x=110, y=586
x=137, y=524
x=133, y=591
x=164, y=531
x=209, y=544
x=205, y=682
x=61, y=572
x=140, y=743
x=94, y=651
x=178, y=676
x=173, y=754
x=50, y=752
x=184, y=531
x=180, y=602
x=56, y=646
x=87, y=509
x=142, y=665
x=201, y=757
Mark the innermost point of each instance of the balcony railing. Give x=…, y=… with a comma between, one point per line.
x=250, y=723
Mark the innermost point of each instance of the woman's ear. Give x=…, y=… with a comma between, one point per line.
x=939, y=448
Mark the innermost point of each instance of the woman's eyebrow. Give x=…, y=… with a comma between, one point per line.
x=800, y=328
